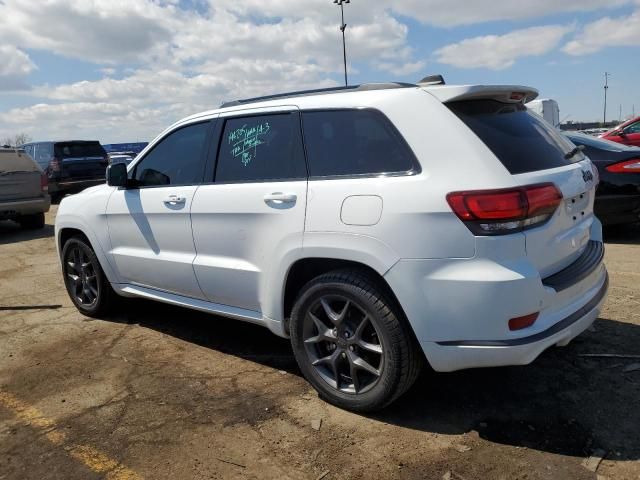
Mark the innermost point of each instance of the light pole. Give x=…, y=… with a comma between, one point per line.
x=343, y=27
x=606, y=87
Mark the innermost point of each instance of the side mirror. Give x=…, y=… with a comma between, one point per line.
x=117, y=175
x=621, y=133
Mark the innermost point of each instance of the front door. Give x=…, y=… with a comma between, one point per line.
x=253, y=213
x=150, y=223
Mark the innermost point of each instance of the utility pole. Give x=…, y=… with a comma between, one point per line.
x=343, y=27
x=606, y=87
x=620, y=116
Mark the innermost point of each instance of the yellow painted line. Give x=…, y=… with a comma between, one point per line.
x=94, y=459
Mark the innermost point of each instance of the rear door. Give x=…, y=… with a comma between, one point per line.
x=150, y=225
x=253, y=213
x=81, y=160
x=534, y=152
x=19, y=176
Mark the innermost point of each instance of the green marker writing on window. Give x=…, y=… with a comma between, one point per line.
x=245, y=140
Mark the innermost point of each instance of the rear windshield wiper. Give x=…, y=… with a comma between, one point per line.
x=574, y=152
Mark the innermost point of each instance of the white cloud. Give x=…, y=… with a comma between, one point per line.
x=497, y=52
x=607, y=32
x=467, y=12
x=93, y=30
x=161, y=62
x=15, y=65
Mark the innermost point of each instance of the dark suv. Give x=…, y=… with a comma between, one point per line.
x=70, y=166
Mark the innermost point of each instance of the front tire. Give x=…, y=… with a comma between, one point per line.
x=86, y=283
x=352, y=342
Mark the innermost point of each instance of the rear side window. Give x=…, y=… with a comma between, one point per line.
x=176, y=160
x=260, y=148
x=79, y=150
x=354, y=142
x=521, y=140
x=43, y=153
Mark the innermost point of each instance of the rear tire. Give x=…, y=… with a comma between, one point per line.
x=352, y=341
x=86, y=283
x=32, y=222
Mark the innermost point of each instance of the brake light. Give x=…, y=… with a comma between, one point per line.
x=519, y=323
x=44, y=183
x=498, y=212
x=628, y=166
x=54, y=165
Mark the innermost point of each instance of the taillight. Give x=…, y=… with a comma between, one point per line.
x=54, y=165
x=499, y=212
x=628, y=166
x=44, y=183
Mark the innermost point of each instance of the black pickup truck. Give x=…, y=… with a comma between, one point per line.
x=70, y=166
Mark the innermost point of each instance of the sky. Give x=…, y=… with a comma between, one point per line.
x=124, y=70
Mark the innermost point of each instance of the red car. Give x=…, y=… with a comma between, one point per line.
x=627, y=133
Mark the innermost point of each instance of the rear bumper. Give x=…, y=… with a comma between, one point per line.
x=56, y=186
x=459, y=309
x=26, y=206
x=456, y=355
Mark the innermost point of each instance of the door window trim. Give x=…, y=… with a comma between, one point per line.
x=416, y=168
x=204, y=155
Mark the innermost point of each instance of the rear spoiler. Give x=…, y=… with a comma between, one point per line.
x=501, y=93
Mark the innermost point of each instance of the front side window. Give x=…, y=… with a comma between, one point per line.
x=633, y=128
x=354, y=142
x=176, y=160
x=261, y=148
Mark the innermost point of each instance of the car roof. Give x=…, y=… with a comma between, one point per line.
x=341, y=97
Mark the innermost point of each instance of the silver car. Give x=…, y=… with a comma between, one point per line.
x=24, y=193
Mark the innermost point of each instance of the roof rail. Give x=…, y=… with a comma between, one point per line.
x=321, y=91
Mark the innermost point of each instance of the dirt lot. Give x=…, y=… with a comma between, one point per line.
x=160, y=392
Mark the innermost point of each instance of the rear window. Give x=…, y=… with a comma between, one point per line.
x=79, y=150
x=521, y=140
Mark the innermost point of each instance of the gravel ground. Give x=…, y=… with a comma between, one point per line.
x=159, y=392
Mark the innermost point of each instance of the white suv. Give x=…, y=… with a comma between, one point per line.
x=376, y=226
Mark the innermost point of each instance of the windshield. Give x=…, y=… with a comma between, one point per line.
x=521, y=140
x=79, y=150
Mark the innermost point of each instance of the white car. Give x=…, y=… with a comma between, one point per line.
x=377, y=226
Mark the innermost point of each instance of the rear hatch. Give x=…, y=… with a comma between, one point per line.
x=81, y=160
x=20, y=177
x=534, y=152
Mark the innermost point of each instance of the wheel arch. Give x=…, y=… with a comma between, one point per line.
x=306, y=269
x=67, y=231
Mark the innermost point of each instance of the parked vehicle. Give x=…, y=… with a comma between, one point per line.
x=70, y=166
x=618, y=194
x=547, y=108
x=121, y=157
x=376, y=226
x=24, y=194
x=627, y=133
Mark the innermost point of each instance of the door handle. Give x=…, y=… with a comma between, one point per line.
x=279, y=197
x=175, y=199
